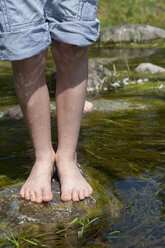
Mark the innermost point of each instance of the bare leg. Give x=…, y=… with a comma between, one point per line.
x=72, y=73
x=31, y=89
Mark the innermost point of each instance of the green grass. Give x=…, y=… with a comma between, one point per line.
x=36, y=241
x=117, y=12
x=21, y=241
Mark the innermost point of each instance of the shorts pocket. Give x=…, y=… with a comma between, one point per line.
x=63, y=9
x=87, y=10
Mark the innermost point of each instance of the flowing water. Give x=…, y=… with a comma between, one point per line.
x=124, y=150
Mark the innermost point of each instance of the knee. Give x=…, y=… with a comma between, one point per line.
x=68, y=54
x=29, y=66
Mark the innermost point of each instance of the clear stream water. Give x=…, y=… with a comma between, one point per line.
x=126, y=149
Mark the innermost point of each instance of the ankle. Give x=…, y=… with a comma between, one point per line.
x=65, y=156
x=48, y=157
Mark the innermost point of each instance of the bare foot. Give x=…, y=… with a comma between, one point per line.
x=88, y=106
x=73, y=184
x=37, y=187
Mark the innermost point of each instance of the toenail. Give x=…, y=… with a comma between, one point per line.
x=39, y=199
x=87, y=194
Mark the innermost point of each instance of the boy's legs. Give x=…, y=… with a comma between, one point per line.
x=31, y=89
x=72, y=24
x=72, y=73
x=30, y=85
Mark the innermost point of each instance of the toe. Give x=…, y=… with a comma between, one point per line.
x=27, y=196
x=75, y=195
x=65, y=195
x=32, y=196
x=39, y=196
x=47, y=195
x=82, y=195
x=22, y=193
x=87, y=193
x=90, y=190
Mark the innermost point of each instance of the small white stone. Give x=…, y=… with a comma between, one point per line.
x=97, y=87
x=116, y=84
x=160, y=86
x=90, y=89
x=126, y=81
x=140, y=80
x=114, y=74
x=142, y=107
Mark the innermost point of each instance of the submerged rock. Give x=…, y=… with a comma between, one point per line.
x=97, y=73
x=131, y=33
x=115, y=105
x=150, y=68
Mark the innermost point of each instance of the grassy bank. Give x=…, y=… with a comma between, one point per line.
x=114, y=12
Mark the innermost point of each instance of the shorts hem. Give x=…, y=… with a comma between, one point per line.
x=24, y=43
x=80, y=33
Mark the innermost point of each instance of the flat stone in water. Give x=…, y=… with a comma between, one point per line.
x=20, y=215
x=14, y=210
x=115, y=105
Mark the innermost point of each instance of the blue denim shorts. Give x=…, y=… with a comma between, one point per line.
x=27, y=27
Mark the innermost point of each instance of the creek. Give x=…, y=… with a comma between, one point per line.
x=123, y=150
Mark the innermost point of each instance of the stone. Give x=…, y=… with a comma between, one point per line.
x=20, y=215
x=97, y=73
x=115, y=105
x=131, y=33
x=149, y=68
x=14, y=210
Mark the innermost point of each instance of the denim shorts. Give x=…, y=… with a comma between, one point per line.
x=27, y=27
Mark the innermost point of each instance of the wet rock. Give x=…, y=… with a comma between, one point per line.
x=97, y=73
x=149, y=68
x=131, y=33
x=115, y=105
x=15, y=211
x=18, y=214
